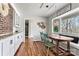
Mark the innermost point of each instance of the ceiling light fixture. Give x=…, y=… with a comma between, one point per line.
x=41, y=5
x=47, y=6
x=52, y=6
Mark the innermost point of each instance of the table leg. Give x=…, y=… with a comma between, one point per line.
x=52, y=41
x=68, y=47
x=57, y=47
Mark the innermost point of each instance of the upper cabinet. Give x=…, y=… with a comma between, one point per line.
x=17, y=19
x=11, y=44
x=16, y=22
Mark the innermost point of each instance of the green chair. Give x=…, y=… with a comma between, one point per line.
x=47, y=43
x=42, y=37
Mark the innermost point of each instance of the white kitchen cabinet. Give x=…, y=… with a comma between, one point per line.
x=11, y=44
x=17, y=41
x=6, y=45
x=15, y=44
x=21, y=37
x=0, y=49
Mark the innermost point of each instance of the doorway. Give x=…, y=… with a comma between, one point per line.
x=26, y=28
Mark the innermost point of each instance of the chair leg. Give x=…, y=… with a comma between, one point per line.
x=47, y=54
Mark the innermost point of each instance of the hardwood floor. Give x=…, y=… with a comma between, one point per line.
x=33, y=48
x=30, y=48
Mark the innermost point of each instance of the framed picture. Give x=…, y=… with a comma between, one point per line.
x=56, y=25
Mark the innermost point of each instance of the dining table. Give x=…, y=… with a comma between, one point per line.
x=59, y=38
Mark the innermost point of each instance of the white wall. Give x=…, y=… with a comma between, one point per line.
x=34, y=29
x=49, y=25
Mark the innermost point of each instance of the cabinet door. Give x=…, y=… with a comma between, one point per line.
x=17, y=42
x=22, y=37
x=0, y=49
x=11, y=46
x=6, y=45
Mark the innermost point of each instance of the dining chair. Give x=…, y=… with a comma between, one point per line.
x=42, y=37
x=47, y=43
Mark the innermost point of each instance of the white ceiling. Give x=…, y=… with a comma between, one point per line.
x=35, y=9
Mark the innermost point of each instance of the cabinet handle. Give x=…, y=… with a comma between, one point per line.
x=18, y=36
x=11, y=41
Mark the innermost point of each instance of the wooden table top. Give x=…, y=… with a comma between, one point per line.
x=61, y=38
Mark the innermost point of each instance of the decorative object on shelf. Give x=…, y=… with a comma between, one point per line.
x=4, y=9
x=17, y=26
x=41, y=25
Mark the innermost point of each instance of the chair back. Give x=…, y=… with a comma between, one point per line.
x=45, y=37
x=42, y=36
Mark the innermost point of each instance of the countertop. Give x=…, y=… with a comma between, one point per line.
x=5, y=36
x=69, y=34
